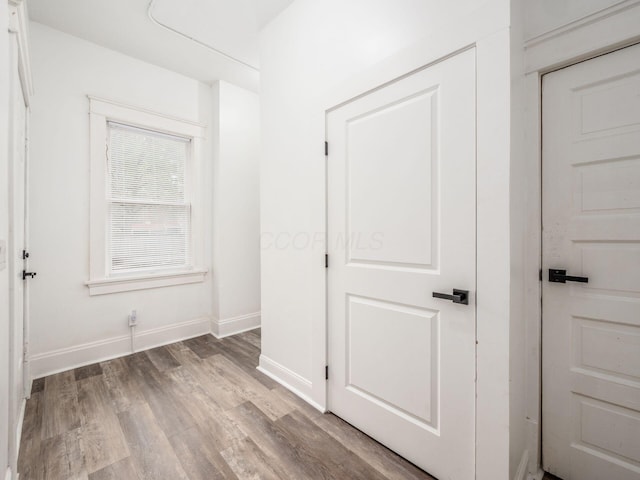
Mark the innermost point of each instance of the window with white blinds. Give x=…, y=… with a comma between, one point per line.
x=146, y=212
x=149, y=215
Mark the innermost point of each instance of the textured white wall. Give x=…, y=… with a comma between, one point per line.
x=65, y=70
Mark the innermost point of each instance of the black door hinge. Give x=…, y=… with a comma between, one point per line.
x=25, y=254
x=326, y=372
x=326, y=260
x=326, y=148
x=540, y=275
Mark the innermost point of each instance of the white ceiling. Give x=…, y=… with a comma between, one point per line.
x=203, y=39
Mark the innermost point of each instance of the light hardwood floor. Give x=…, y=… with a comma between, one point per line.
x=197, y=409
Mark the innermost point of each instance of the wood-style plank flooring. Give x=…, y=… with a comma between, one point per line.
x=197, y=409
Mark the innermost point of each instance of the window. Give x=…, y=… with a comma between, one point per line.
x=149, y=217
x=144, y=200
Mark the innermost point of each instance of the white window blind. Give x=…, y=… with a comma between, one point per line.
x=149, y=214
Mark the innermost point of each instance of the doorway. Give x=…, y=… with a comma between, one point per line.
x=402, y=266
x=591, y=269
x=16, y=247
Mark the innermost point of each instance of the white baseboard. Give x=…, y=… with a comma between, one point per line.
x=48, y=363
x=234, y=325
x=7, y=476
x=289, y=379
x=521, y=472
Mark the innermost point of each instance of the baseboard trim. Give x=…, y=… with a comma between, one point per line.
x=289, y=379
x=521, y=472
x=64, y=359
x=235, y=325
x=7, y=475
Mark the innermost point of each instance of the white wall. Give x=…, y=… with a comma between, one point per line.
x=63, y=315
x=314, y=47
x=524, y=263
x=236, y=216
x=4, y=234
x=309, y=48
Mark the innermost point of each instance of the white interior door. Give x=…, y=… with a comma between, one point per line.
x=16, y=245
x=401, y=223
x=591, y=228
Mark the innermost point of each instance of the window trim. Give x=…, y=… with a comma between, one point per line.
x=100, y=282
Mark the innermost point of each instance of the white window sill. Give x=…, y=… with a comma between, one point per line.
x=105, y=286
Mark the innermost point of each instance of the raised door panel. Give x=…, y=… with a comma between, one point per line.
x=375, y=329
x=391, y=153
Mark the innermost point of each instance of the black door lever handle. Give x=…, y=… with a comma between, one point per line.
x=560, y=276
x=26, y=274
x=459, y=296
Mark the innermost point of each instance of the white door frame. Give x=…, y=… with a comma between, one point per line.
x=487, y=34
x=602, y=32
x=18, y=27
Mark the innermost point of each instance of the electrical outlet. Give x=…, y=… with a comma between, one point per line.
x=3, y=254
x=133, y=318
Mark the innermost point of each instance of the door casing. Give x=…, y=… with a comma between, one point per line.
x=17, y=225
x=552, y=291
x=18, y=29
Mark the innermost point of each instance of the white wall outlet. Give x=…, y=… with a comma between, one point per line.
x=133, y=318
x=3, y=254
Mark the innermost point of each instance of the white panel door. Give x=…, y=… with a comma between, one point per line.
x=591, y=229
x=16, y=263
x=401, y=223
